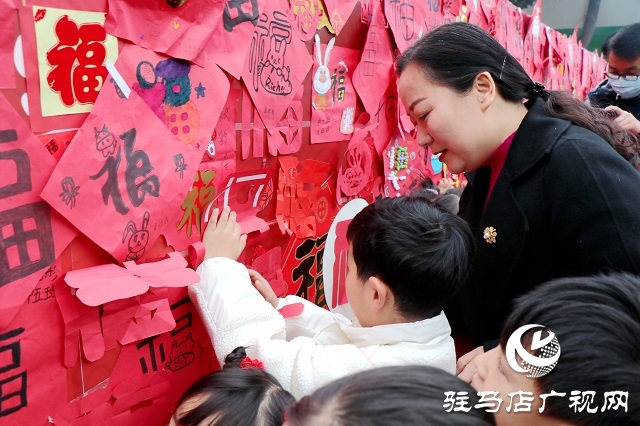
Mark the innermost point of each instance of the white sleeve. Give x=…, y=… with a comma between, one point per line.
x=235, y=314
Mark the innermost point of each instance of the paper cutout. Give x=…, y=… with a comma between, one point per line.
x=124, y=166
x=105, y=283
x=355, y=169
x=32, y=234
x=335, y=258
x=82, y=324
x=374, y=72
x=339, y=12
x=286, y=139
x=8, y=14
x=247, y=193
x=184, y=97
x=73, y=48
x=180, y=33
x=271, y=73
x=137, y=388
x=302, y=199
x=292, y=310
x=406, y=20
x=333, y=115
x=252, y=131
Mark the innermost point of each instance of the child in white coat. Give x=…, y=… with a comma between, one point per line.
x=406, y=259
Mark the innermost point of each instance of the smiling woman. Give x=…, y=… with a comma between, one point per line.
x=546, y=173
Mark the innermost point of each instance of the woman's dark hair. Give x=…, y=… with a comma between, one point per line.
x=596, y=320
x=389, y=396
x=235, y=396
x=454, y=54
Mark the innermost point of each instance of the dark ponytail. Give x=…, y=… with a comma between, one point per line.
x=454, y=54
x=237, y=395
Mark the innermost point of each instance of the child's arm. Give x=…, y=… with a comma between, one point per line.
x=235, y=314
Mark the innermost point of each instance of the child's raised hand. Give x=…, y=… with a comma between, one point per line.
x=223, y=237
x=263, y=287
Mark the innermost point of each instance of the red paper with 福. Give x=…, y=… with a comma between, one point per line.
x=32, y=234
x=129, y=175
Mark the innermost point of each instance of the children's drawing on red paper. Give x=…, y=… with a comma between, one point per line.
x=271, y=74
x=185, y=97
x=73, y=48
x=123, y=164
x=334, y=97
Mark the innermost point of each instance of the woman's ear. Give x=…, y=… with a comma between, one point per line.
x=485, y=87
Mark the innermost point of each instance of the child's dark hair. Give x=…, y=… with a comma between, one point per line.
x=454, y=54
x=597, y=322
x=388, y=396
x=423, y=253
x=236, y=396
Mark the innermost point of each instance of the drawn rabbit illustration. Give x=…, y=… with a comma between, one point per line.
x=138, y=240
x=322, y=78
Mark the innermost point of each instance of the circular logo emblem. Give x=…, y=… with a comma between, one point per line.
x=540, y=358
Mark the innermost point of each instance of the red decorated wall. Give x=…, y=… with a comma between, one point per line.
x=122, y=121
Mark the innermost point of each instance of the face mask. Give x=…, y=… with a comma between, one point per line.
x=626, y=89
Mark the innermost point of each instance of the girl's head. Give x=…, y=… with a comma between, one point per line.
x=389, y=396
x=238, y=395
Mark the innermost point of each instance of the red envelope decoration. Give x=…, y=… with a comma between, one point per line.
x=276, y=63
x=123, y=176
x=106, y=283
